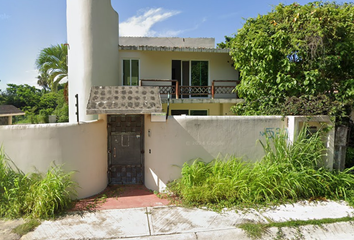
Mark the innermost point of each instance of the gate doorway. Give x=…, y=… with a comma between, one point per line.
x=125, y=149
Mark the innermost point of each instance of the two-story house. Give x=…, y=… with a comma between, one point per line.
x=199, y=78
x=126, y=80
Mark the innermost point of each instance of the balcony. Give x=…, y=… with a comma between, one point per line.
x=219, y=89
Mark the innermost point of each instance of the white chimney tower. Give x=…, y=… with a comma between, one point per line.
x=92, y=32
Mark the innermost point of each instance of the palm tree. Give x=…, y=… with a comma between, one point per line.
x=51, y=64
x=42, y=80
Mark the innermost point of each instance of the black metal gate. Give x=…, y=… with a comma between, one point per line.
x=126, y=149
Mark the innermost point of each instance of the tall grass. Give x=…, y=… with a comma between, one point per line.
x=33, y=195
x=287, y=172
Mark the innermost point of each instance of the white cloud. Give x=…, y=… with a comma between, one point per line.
x=198, y=24
x=4, y=16
x=170, y=33
x=140, y=25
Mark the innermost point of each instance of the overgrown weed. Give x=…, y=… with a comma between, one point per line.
x=27, y=227
x=257, y=230
x=287, y=173
x=33, y=195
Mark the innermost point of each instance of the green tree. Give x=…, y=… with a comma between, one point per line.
x=296, y=51
x=43, y=81
x=38, y=104
x=225, y=44
x=52, y=66
x=62, y=109
x=22, y=96
x=2, y=97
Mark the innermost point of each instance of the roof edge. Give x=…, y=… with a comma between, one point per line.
x=174, y=49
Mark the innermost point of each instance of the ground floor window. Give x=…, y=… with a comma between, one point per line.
x=179, y=112
x=189, y=112
x=198, y=112
x=130, y=72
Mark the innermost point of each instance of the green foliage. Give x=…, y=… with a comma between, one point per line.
x=52, y=66
x=349, y=158
x=2, y=98
x=257, y=230
x=288, y=172
x=225, y=44
x=48, y=100
x=34, y=195
x=22, y=96
x=303, y=105
x=294, y=51
x=62, y=109
x=254, y=230
x=37, y=104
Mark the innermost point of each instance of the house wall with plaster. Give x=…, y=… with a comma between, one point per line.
x=158, y=64
x=214, y=109
x=78, y=147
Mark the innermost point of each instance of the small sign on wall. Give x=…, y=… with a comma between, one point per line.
x=158, y=117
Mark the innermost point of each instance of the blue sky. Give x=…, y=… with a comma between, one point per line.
x=27, y=26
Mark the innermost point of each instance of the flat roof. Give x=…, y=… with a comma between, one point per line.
x=167, y=42
x=174, y=49
x=170, y=44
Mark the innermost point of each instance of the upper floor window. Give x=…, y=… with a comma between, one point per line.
x=131, y=72
x=190, y=73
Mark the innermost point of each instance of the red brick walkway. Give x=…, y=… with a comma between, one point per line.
x=121, y=196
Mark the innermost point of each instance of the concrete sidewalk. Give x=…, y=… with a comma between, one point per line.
x=170, y=222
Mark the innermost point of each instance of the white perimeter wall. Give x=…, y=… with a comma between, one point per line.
x=80, y=147
x=184, y=138
x=83, y=147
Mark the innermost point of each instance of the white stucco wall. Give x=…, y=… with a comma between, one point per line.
x=295, y=124
x=83, y=147
x=184, y=138
x=158, y=65
x=79, y=147
x=92, y=29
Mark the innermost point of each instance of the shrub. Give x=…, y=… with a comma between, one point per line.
x=349, y=158
x=33, y=195
x=286, y=173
